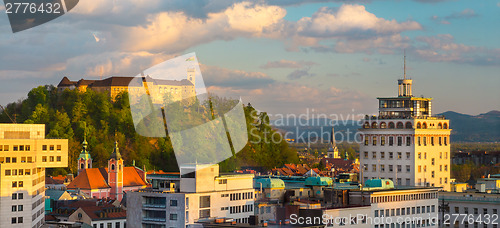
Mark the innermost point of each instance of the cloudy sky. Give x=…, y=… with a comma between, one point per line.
x=283, y=56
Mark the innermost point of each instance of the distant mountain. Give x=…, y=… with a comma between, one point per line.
x=484, y=127
x=465, y=128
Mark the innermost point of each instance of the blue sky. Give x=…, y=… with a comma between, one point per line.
x=283, y=56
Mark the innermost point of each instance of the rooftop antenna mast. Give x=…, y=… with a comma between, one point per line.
x=404, y=53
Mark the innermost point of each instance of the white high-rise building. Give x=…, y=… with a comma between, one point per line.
x=24, y=155
x=405, y=143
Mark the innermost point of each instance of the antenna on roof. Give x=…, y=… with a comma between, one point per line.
x=404, y=53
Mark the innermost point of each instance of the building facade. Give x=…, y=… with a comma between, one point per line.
x=24, y=155
x=405, y=143
x=158, y=89
x=203, y=194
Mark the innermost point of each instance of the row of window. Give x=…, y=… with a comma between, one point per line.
x=405, y=211
x=28, y=147
x=399, y=155
x=239, y=196
x=440, y=156
x=407, y=125
x=262, y=210
x=382, y=168
x=16, y=220
x=16, y=208
x=239, y=209
x=14, y=159
x=15, y=172
x=475, y=210
x=420, y=140
x=110, y=225
x=403, y=197
x=37, y=203
x=51, y=159
x=425, y=180
x=419, y=169
x=411, y=224
x=15, y=148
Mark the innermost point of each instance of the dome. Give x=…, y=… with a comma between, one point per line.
x=318, y=181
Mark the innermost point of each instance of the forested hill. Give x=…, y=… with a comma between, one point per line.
x=68, y=114
x=481, y=128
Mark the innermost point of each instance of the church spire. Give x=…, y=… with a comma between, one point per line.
x=84, y=160
x=116, y=151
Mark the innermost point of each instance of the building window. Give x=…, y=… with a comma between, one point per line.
x=374, y=140
x=400, y=155
x=382, y=141
x=391, y=140
x=408, y=169
x=399, y=168
x=391, y=168
x=382, y=155
x=173, y=203
x=391, y=155
x=366, y=154
x=374, y=155
x=400, y=140
x=432, y=161
x=432, y=174
x=382, y=168
x=173, y=216
x=366, y=141
x=374, y=168
x=408, y=155
x=419, y=155
x=425, y=141
x=432, y=141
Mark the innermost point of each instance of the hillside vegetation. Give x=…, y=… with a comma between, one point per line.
x=70, y=113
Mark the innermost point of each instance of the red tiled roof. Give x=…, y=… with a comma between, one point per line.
x=53, y=180
x=96, y=178
x=131, y=177
x=89, y=179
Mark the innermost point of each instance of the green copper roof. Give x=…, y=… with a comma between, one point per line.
x=318, y=181
x=379, y=184
x=84, y=154
x=269, y=183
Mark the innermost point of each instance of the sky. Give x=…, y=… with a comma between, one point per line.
x=282, y=56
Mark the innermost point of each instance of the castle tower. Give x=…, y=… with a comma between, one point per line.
x=333, y=151
x=84, y=160
x=115, y=174
x=191, y=76
x=405, y=143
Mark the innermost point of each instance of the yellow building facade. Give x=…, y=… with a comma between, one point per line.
x=24, y=155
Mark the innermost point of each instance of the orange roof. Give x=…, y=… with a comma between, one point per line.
x=89, y=179
x=96, y=178
x=131, y=177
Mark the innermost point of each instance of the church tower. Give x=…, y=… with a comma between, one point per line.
x=191, y=76
x=84, y=160
x=333, y=151
x=115, y=174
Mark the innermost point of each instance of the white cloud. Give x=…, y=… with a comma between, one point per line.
x=173, y=32
x=350, y=20
x=287, y=64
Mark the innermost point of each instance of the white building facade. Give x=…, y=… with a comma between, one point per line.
x=404, y=143
x=204, y=194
